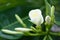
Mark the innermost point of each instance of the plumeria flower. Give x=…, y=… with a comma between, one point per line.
x=36, y=16
x=23, y=29
x=48, y=19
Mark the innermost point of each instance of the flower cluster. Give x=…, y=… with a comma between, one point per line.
x=36, y=18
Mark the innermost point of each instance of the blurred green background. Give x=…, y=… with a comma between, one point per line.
x=8, y=9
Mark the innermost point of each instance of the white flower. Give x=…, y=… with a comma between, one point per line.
x=48, y=19
x=36, y=16
x=10, y=32
x=23, y=29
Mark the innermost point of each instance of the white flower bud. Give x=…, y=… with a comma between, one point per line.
x=48, y=19
x=36, y=17
x=10, y=32
x=23, y=29
x=20, y=20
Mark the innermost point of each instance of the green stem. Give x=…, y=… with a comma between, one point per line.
x=35, y=34
x=45, y=38
x=57, y=34
x=34, y=29
x=39, y=28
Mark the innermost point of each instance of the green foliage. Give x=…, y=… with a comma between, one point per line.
x=8, y=9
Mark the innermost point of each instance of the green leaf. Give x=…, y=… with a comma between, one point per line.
x=36, y=38
x=11, y=27
x=57, y=22
x=9, y=36
x=55, y=33
x=50, y=37
x=48, y=8
x=57, y=17
x=7, y=4
x=8, y=21
x=45, y=38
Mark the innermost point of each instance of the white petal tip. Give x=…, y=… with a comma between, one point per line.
x=10, y=32
x=23, y=29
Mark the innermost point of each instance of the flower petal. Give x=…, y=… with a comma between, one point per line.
x=36, y=16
